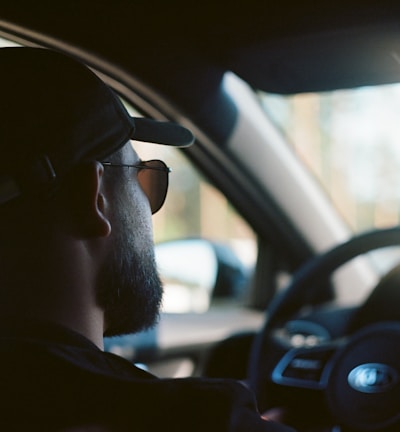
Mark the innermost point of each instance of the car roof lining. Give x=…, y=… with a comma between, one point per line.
x=283, y=47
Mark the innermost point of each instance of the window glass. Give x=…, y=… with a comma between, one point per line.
x=7, y=43
x=349, y=140
x=205, y=250
x=200, y=239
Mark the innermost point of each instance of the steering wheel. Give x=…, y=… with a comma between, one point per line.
x=353, y=380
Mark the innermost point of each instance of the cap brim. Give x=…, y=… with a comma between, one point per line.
x=159, y=132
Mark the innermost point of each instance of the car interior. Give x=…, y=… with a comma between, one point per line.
x=279, y=242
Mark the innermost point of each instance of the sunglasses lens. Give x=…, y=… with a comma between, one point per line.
x=153, y=179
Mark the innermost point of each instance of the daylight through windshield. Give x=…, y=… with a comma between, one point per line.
x=349, y=140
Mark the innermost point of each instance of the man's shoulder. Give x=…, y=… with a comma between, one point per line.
x=88, y=385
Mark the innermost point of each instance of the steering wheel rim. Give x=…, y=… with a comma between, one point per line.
x=285, y=305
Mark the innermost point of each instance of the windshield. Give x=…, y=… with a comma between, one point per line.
x=349, y=140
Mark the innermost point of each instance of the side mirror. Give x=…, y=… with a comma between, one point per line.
x=197, y=271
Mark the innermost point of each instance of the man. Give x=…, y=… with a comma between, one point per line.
x=77, y=260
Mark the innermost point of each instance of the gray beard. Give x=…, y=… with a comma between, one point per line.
x=129, y=288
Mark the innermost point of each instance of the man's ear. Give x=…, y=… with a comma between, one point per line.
x=88, y=204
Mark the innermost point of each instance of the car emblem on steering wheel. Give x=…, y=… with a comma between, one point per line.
x=373, y=378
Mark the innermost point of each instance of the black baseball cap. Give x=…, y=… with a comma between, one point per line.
x=56, y=113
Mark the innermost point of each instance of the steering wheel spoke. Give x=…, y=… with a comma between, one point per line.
x=305, y=367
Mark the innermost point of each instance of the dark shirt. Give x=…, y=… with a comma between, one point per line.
x=53, y=378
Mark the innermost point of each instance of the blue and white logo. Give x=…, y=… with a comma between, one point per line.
x=373, y=378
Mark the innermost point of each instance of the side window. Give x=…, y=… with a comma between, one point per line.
x=205, y=251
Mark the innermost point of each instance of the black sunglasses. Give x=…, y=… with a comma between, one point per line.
x=153, y=179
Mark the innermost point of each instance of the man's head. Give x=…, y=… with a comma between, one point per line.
x=55, y=113
x=64, y=139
